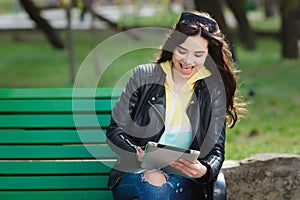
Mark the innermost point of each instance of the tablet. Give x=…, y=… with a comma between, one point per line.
x=159, y=156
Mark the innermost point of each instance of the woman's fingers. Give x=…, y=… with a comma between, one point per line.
x=194, y=170
x=140, y=153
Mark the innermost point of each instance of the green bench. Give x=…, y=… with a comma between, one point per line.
x=53, y=145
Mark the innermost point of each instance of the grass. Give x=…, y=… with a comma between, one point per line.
x=32, y=62
x=274, y=110
x=272, y=122
x=260, y=22
x=163, y=19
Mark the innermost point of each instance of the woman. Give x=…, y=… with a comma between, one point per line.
x=185, y=99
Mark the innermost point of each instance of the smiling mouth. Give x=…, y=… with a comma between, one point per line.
x=186, y=70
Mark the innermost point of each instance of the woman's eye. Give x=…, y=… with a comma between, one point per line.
x=181, y=51
x=198, y=55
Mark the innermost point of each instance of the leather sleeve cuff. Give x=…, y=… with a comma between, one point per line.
x=206, y=178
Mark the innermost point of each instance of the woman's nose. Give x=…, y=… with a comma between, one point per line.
x=188, y=59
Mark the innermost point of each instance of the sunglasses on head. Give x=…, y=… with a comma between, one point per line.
x=188, y=18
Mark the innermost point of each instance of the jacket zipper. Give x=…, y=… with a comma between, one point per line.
x=128, y=142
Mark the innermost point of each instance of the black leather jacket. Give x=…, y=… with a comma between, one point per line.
x=139, y=116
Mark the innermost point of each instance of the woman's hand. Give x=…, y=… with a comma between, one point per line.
x=140, y=153
x=194, y=170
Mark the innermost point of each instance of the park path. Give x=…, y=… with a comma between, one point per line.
x=57, y=18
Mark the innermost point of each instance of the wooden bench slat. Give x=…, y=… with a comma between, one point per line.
x=55, y=167
x=55, y=152
x=54, y=121
x=52, y=106
x=53, y=182
x=53, y=93
x=52, y=136
x=57, y=195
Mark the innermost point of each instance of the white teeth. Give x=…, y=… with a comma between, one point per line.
x=188, y=67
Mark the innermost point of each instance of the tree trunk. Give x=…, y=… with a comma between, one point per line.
x=246, y=33
x=213, y=7
x=271, y=8
x=70, y=44
x=290, y=33
x=34, y=14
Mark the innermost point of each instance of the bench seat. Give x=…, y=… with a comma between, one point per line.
x=53, y=144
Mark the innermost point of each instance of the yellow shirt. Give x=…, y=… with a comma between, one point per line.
x=176, y=119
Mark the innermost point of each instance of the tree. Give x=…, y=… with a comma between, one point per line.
x=214, y=7
x=290, y=18
x=271, y=8
x=246, y=33
x=34, y=14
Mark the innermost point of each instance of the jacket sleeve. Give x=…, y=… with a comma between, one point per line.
x=214, y=160
x=214, y=142
x=117, y=138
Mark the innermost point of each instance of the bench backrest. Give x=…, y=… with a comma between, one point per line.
x=53, y=145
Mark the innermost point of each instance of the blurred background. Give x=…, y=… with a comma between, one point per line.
x=43, y=43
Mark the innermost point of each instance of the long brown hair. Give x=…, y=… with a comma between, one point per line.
x=218, y=49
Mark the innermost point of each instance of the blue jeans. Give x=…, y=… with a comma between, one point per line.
x=133, y=186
